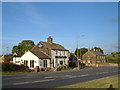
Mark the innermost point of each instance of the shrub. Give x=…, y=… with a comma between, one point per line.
x=66, y=66
x=62, y=67
x=13, y=67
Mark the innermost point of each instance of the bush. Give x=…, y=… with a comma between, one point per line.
x=63, y=67
x=13, y=67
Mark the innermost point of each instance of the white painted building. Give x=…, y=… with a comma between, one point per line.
x=59, y=57
x=45, y=55
x=33, y=59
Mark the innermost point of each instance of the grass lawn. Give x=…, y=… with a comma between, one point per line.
x=98, y=83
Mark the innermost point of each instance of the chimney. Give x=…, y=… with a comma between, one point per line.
x=94, y=49
x=98, y=50
x=50, y=39
x=88, y=49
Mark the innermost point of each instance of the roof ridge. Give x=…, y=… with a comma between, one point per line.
x=52, y=43
x=96, y=52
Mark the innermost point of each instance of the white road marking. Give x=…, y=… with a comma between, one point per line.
x=47, y=77
x=68, y=75
x=102, y=72
x=58, y=76
x=78, y=76
x=53, y=77
x=115, y=71
x=14, y=78
x=105, y=72
x=33, y=82
x=84, y=75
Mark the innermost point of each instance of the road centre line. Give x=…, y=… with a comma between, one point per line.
x=102, y=72
x=58, y=76
x=14, y=78
x=33, y=81
x=79, y=76
x=69, y=76
x=115, y=71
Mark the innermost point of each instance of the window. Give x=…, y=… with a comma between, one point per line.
x=56, y=52
x=25, y=62
x=97, y=57
x=32, y=63
x=56, y=61
x=83, y=61
x=88, y=62
x=64, y=52
x=60, y=53
x=103, y=57
x=61, y=62
x=17, y=61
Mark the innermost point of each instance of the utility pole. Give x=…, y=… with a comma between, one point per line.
x=80, y=54
x=77, y=48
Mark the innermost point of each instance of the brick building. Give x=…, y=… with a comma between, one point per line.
x=92, y=57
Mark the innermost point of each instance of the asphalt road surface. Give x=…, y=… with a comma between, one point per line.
x=56, y=79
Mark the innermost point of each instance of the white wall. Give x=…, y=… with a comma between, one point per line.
x=37, y=62
x=53, y=54
x=30, y=56
x=17, y=60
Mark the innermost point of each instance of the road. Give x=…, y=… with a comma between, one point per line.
x=56, y=79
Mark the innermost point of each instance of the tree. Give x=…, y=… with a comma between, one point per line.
x=25, y=45
x=81, y=52
x=97, y=48
x=15, y=49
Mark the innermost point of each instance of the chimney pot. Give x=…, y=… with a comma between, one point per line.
x=50, y=39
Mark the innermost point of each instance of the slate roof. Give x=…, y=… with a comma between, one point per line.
x=45, y=52
x=54, y=46
x=97, y=53
x=40, y=54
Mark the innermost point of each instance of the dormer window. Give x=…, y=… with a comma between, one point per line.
x=40, y=45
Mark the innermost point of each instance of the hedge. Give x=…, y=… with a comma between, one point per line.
x=62, y=67
x=13, y=67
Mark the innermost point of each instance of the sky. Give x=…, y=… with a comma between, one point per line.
x=91, y=23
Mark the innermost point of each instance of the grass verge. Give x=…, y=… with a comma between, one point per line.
x=14, y=72
x=108, y=82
